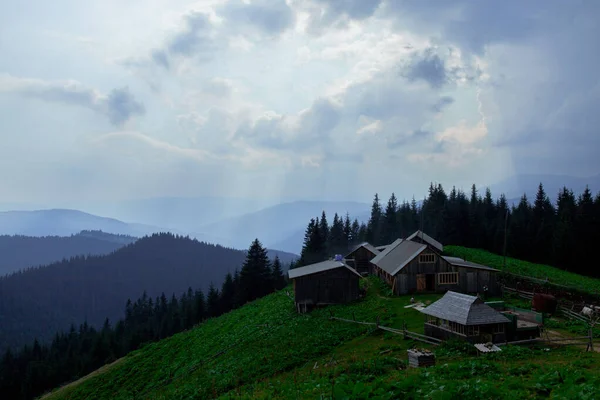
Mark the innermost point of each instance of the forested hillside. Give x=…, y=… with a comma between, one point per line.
x=17, y=251
x=562, y=232
x=76, y=352
x=37, y=302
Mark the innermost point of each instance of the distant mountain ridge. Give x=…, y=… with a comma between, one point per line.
x=18, y=251
x=273, y=225
x=63, y=222
x=37, y=302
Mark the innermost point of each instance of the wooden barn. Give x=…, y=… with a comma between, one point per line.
x=458, y=315
x=417, y=265
x=324, y=283
x=360, y=258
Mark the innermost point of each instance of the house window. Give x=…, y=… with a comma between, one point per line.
x=447, y=278
x=499, y=328
x=473, y=330
x=427, y=258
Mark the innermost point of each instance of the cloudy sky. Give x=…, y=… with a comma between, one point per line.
x=315, y=98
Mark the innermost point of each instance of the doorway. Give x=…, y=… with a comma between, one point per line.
x=430, y=282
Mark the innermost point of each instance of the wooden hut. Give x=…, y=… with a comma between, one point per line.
x=410, y=266
x=360, y=258
x=458, y=315
x=324, y=283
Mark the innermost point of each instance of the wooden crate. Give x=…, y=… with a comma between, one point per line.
x=420, y=358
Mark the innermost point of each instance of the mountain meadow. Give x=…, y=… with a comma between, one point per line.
x=240, y=337
x=265, y=350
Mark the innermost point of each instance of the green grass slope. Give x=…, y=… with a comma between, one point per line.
x=555, y=275
x=265, y=350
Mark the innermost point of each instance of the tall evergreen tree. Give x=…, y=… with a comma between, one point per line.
x=314, y=249
x=255, y=276
x=391, y=224
x=347, y=232
x=375, y=221
x=278, y=279
x=213, y=302
x=543, y=226
x=337, y=243
x=564, y=235
x=227, y=294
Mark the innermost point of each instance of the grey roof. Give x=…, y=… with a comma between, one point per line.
x=459, y=262
x=367, y=246
x=382, y=248
x=428, y=239
x=465, y=310
x=397, y=255
x=319, y=267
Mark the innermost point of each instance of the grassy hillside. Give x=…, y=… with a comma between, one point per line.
x=266, y=350
x=515, y=266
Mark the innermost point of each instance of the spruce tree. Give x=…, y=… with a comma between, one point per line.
x=390, y=230
x=255, y=276
x=199, y=306
x=564, y=238
x=373, y=234
x=347, y=232
x=337, y=243
x=213, y=301
x=543, y=226
x=227, y=294
x=278, y=279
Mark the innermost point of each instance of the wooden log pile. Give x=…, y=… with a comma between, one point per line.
x=420, y=358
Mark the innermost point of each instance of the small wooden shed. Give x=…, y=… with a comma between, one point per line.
x=458, y=315
x=324, y=283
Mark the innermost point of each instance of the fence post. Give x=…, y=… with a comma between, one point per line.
x=591, y=343
x=377, y=323
x=353, y=316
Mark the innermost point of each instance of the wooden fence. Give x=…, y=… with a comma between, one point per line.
x=404, y=332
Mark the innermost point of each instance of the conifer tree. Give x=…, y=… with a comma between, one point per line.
x=278, y=279
x=255, y=276
x=213, y=301
x=373, y=234
x=227, y=294
x=391, y=223
x=337, y=243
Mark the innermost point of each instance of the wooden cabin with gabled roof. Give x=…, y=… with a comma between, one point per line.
x=458, y=315
x=416, y=264
x=324, y=283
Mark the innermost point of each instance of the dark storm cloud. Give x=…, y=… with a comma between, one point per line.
x=428, y=67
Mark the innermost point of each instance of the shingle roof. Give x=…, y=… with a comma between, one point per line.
x=428, y=239
x=397, y=255
x=459, y=262
x=319, y=267
x=367, y=246
x=465, y=310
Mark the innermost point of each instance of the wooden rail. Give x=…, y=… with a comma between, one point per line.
x=406, y=333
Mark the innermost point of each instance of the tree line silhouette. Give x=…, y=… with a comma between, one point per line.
x=38, y=367
x=36, y=302
x=560, y=233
